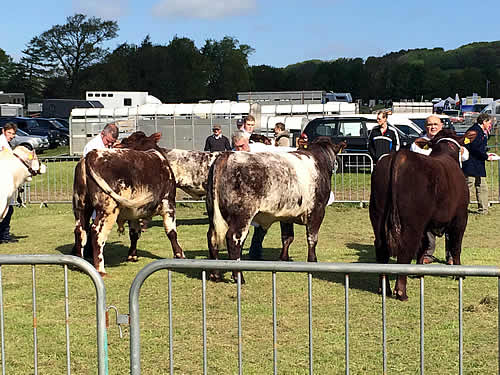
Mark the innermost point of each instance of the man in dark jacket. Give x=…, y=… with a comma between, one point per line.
x=216, y=141
x=383, y=138
x=474, y=168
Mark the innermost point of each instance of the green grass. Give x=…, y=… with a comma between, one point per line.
x=58, y=151
x=345, y=236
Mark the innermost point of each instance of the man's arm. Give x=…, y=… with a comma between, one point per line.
x=227, y=145
x=207, y=144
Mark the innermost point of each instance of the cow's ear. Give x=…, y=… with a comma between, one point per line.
x=470, y=136
x=156, y=137
x=339, y=147
x=422, y=143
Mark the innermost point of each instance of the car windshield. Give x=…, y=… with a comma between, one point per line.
x=58, y=125
x=420, y=122
x=21, y=133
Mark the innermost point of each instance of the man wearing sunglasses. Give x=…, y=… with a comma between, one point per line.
x=217, y=141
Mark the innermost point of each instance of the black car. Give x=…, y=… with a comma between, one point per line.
x=56, y=125
x=354, y=130
x=35, y=126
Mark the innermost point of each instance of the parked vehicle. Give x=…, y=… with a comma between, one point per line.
x=31, y=142
x=53, y=124
x=354, y=130
x=32, y=126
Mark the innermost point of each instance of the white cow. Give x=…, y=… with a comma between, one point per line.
x=16, y=167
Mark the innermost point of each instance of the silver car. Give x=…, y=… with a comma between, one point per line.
x=32, y=142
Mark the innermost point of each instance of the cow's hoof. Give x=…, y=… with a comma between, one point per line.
x=388, y=292
x=215, y=277
x=104, y=274
x=401, y=297
x=179, y=256
x=449, y=262
x=235, y=279
x=134, y=258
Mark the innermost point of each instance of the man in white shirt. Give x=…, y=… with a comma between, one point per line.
x=106, y=139
x=248, y=125
x=8, y=134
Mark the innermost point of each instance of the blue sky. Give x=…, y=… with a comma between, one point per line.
x=281, y=32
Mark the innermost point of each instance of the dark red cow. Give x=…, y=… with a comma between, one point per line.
x=412, y=194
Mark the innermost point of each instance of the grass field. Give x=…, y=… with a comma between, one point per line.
x=345, y=236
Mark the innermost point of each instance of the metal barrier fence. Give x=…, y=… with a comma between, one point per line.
x=65, y=260
x=350, y=182
x=171, y=265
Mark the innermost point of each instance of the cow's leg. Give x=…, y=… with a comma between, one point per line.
x=134, y=231
x=404, y=257
x=312, y=230
x=454, y=240
x=425, y=244
x=287, y=237
x=235, y=238
x=382, y=256
x=82, y=210
x=80, y=238
x=168, y=215
x=213, y=251
x=100, y=230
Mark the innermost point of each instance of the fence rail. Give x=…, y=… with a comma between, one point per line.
x=350, y=182
x=347, y=269
x=65, y=260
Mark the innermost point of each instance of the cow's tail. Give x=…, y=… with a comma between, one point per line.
x=129, y=203
x=392, y=218
x=219, y=224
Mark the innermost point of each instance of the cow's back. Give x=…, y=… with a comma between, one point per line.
x=130, y=173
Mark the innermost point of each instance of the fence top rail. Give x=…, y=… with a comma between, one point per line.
x=71, y=260
x=278, y=266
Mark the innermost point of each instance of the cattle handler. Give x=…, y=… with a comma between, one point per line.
x=8, y=134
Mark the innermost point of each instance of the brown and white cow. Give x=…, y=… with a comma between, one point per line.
x=190, y=167
x=122, y=185
x=265, y=187
x=413, y=193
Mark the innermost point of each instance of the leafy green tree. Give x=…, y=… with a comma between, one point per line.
x=7, y=68
x=227, y=67
x=267, y=78
x=74, y=46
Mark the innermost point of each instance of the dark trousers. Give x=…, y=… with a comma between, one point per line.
x=5, y=225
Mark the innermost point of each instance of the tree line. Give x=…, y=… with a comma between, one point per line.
x=69, y=59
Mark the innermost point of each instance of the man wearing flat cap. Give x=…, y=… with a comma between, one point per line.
x=216, y=141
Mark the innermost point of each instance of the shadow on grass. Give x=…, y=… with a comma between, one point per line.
x=269, y=254
x=115, y=253
x=360, y=281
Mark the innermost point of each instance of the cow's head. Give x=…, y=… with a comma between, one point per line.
x=139, y=141
x=30, y=160
x=259, y=138
x=327, y=147
x=445, y=141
